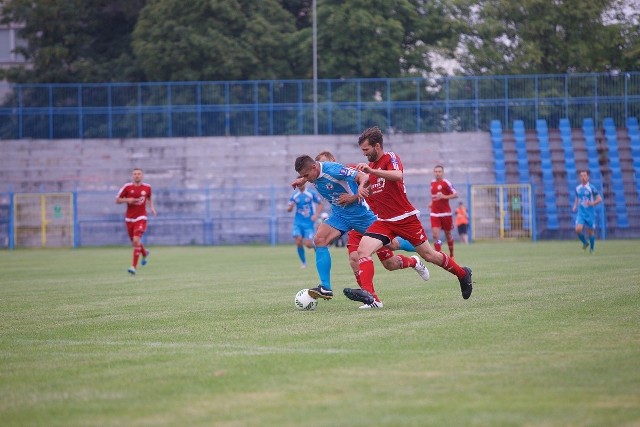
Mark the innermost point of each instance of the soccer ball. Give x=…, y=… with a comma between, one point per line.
x=304, y=301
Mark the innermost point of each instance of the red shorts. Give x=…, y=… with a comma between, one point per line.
x=354, y=240
x=409, y=229
x=136, y=228
x=442, y=222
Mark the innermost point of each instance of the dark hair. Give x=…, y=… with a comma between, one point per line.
x=303, y=162
x=373, y=135
x=585, y=171
x=438, y=166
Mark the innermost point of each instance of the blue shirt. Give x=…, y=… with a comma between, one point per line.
x=586, y=193
x=305, y=202
x=334, y=180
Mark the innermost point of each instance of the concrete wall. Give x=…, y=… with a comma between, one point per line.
x=226, y=162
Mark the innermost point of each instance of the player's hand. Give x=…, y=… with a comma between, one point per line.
x=298, y=182
x=346, y=199
x=153, y=211
x=363, y=191
x=363, y=167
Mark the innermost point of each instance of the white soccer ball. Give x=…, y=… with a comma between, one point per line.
x=304, y=301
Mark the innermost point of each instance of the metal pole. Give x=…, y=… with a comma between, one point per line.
x=315, y=69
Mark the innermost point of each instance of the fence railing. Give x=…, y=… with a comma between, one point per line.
x=284, y=107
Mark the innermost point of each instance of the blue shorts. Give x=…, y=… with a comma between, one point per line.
x=588, y=222
x=358, y=221
x=306, y=230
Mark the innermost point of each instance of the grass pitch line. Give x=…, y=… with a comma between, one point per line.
x=231, y=349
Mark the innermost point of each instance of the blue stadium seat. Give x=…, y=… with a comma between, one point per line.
x=634, y=142
x=547, y=175
x=617, y=183
x=521, y=150
x=498, y=152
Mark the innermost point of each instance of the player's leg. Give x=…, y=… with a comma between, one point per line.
x=435, y=232
x=323, y=237
x=130, y=232
x=591, y=230
x=374, y=239
x=447, y=226
x=392, y=261
x=580, y=234
x=353, y=242
x=411, y=227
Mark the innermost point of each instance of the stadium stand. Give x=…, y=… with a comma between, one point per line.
x=634, y=143
x=615, y=172
x=547, y=175
x=498, y=152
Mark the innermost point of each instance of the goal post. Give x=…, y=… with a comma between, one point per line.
x=43, y=220
x=502, y=211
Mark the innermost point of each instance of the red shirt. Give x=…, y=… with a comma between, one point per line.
x=138, y=210
x=441, y=207
x=389, y=198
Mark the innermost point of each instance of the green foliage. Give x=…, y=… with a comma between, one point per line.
x=548, y=36
x=382, y=38
x=74, y=40
x=214, y=40
x=209, y=336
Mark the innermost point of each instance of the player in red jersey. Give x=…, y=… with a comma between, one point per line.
x=441, y=216
x=136, y=195
x=396, y=217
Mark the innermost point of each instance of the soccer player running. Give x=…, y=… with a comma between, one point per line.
x=441, y=192
x=396, y=217
x=136, y=195
x=587, y=197
x=308, y=206
x=337, y=184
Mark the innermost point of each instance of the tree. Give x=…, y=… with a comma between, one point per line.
x=74, y=40
x=381, y=38
x=545, y=36
x=214, y=40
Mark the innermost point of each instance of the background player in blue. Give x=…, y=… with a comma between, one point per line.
x=587, y=197
x=333, y=181
x=308, y=206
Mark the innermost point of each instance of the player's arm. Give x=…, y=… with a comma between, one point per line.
x=150, y=204
x=120, y=200
x=362, y=179
x=318, y=211
x=575, y=204
x=597, y=200
x=298, y=182
x=389, y=175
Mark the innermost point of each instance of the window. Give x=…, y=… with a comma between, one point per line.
x=8, y=41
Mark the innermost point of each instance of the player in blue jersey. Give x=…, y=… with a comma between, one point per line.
x=338, y=185
x=308, y=206
x=587, y=197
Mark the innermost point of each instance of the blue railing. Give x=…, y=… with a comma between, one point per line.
x=283, y=107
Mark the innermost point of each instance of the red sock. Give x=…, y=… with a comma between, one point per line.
x=451, y=266
x=357, y=274
x=407, y=261
x=143, y=251
x=450, y=244
x=366, y=276
x=136, y=255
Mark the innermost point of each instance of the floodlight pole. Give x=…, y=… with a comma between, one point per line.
x=315, y=68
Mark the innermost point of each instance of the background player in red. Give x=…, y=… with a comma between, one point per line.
x=396, y=217
x=136, y=195
x=441, y=192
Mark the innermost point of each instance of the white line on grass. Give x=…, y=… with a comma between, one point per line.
x=231, y=349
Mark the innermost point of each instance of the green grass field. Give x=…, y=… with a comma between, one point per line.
x=210, y=336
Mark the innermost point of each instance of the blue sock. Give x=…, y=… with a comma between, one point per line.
x=323, y=265
x=405, y=245
x=592, y=242
x=301, y=254
x=582, y=239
